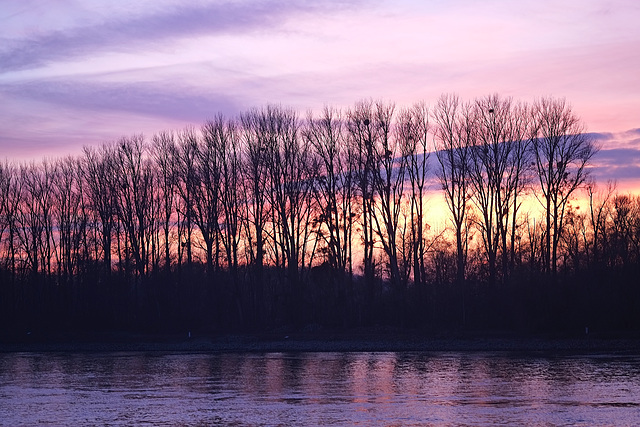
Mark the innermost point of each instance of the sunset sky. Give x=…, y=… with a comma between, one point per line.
x=75, y=73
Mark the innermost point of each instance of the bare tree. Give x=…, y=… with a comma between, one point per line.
x=185, y=158
x=33, y=218
x=255, y=183
x=70, y=217
x=223, y=137
x=389, y=178
x=205, y=188
x=573, y=242
x=623, y=237
x=292, y=177
x=259, y=134
x=164, y=153
x=454, y=135
x=634, y=229
x=499, y=165
x=363, y=133
x=599, y=212
x=335, y=187
x=519, y=176
x=413, y=133
x=10, y=189
x=134, y=196
x=561, y=152
x=5, y=188
x=99, y=179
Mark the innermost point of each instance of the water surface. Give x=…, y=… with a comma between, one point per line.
x=318, y=389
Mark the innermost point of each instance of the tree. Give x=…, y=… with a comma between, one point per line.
x=388, y=181
x=255, y=182
x=454, y=135
x=70, y=217
x=164, y=153
x=335, y=187
x=134, y=198
x=33, y=218
x=292, y=173
x=622, y=235
x=205, y=188
x=7, y=202
x=599, y=210
x=185, y=163
x=362, y=134
x=498, y=172
x=413, y=132
x=562, y=152
x=99, y=179
x=223, y=137
x=519, y=176
x=255, y=175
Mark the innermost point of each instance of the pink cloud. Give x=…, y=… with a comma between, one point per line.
x=96, y=76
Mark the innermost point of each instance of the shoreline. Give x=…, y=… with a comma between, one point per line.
x=326, y=342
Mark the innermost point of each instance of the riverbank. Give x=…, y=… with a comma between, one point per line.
x=349, y=341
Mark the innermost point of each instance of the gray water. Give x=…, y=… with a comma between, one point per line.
x=318, y=389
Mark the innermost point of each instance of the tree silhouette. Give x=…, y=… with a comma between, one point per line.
x=561, y=151
x=266, y=220
x=454, y=134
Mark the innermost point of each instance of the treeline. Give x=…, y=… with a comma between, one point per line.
x=271, y=219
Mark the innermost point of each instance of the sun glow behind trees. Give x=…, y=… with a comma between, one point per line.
x=290, y=172
x=267, y=197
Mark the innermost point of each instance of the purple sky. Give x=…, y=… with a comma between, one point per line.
x=76, y=73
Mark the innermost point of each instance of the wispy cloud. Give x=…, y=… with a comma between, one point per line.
x=151, y=99
x=618, y=158
x=130, y=33
x=76, y=71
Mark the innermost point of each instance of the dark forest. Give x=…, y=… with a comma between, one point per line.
x=273, y=219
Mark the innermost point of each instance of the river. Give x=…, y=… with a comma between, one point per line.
x=404, y=388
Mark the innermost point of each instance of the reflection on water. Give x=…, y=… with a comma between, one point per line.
x=318, y=389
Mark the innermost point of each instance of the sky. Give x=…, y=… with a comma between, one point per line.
x=84, y=72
